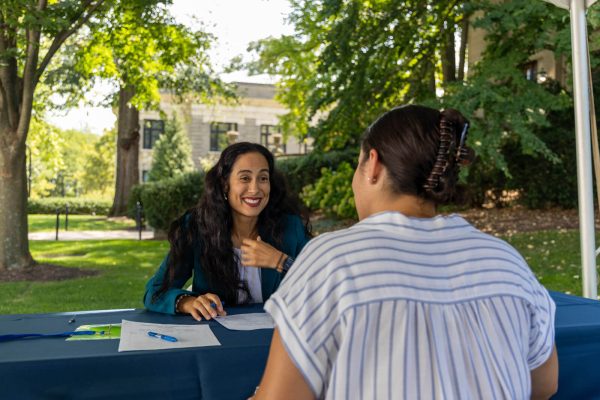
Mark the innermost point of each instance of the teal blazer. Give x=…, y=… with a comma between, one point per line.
x=294, y=239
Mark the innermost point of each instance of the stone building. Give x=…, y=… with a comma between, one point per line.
x=211, y=127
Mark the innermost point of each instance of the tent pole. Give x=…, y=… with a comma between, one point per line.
x=581, y=91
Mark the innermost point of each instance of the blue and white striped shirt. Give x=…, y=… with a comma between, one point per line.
x=407, y=308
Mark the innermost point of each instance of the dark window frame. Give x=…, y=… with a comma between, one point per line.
x=218, y=134
x=266, y=131
x=153, y=128
x=530, y=69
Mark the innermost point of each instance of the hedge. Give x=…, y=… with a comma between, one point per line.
x=165, y=200
x=301, y=171
x=77, y=205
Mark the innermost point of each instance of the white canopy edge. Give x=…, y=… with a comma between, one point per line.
x=566, y=3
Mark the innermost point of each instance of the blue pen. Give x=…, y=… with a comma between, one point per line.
x=214, y=305
x=163, y=337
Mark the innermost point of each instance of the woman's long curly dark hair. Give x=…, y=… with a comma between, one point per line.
x=210, y=223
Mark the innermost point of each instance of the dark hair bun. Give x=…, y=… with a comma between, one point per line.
x=422, y=149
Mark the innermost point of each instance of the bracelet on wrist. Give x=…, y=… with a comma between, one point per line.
x=179, y=298
x=279, y=265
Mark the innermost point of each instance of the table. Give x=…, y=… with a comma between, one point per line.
x=578, y=346
x=55, y=369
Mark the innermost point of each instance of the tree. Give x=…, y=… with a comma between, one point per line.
x=172, y=154
x=140, y=47
x=44, y=161
x=99, y=173
x=508, y=112
x=295, y=62
x=77, y=147
x=69, y=162
x=350, y=60
x=31, y=32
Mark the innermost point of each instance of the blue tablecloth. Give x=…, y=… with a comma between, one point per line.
x=578, y=346
x=56, y=369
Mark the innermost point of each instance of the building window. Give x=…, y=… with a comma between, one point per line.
x=153, y=128
x=531, y=70
x=218, y=134
x=144, y=176
x=271, y=138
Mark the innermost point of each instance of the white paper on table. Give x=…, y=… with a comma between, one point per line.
x=247, y=322
x=134, y=336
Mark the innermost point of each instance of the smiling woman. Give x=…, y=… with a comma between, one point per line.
x=237, y=243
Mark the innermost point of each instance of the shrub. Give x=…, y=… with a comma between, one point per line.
x=485, y=184
x=332, y=192
x=541, y=182
x=165, y=200
x=305, y=170
x=77, y=205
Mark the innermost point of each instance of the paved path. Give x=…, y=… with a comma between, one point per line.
x=90, y=235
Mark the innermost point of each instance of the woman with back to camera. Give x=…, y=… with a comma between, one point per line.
x=237, y=243
x=409, y=304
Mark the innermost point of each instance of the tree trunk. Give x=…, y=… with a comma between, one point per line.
x=14, y=246
x=128, y=139
x=431, y=86
x=16, y=104
x=448, y=53
x=463, y=47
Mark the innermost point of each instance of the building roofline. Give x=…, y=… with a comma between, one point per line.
x=253, y=83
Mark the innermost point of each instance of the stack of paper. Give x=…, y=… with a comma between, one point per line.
x=246, y=322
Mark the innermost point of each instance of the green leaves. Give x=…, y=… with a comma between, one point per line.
x=99, y=168
x=502, y=104
x=332, y=192
x=69, y=161
x=351, y=60
x=295, y=61
x=138, y=44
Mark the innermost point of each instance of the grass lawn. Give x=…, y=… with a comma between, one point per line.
x=554, y=257
x=126, y=265
x=45, y=223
